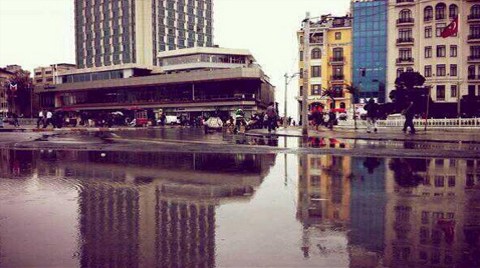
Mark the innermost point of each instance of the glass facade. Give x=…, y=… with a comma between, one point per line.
x=370, y=49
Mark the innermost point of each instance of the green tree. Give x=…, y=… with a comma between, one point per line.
x=20, y=97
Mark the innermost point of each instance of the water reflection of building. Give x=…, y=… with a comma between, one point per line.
x=367, y=212
x=16, y=163
x=323, y=198
x=430, y=219
x=154, y=209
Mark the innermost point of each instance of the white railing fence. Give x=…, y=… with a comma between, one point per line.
x=444, y=123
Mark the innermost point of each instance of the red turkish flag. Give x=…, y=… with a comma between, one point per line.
x=451, y=29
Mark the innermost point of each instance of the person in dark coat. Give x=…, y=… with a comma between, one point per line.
x=372, y=115
x=332, y=117
x=409, y=115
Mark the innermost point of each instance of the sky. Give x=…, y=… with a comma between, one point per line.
x=41, y=32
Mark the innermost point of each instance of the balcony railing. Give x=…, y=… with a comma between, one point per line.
x=405, y=1
x=337, y=77
x=404, y=60
x=428, y=18
x=474, y=57
x=405, y=20
x=405, y=40
x=337, y=95
x=473, y=77
x=473, y=17
x=337, y=59
x=474, y=36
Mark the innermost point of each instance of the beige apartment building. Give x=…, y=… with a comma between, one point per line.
x=450, y=65
x=45, y=76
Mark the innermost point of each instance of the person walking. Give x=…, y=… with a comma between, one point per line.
x=317, y=117
x=409, y=115
x=48, y=118
x=372, y=115
x=271, y=117
x=15, y=120
x=332, y=117
x=41, y=118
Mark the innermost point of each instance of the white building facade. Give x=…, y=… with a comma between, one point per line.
x=450, y=65
x=116, y=32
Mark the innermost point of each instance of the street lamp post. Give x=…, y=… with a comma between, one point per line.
x=288, y=79
x=306, y=52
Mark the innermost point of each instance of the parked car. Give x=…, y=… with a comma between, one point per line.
x=213, y=123
x=172, y=120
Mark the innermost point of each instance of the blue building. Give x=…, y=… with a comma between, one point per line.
x=370, y=49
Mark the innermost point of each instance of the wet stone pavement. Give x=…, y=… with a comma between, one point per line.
x=100, y=208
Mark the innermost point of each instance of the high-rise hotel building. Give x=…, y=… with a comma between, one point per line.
x=115, y=32
x=450, y=65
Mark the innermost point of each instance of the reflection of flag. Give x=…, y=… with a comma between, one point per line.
x=13, y=87
x=451, y=29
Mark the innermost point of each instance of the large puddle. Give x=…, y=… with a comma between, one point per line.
x=124, y=209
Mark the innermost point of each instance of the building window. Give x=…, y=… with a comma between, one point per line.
x=405, y=53
x=474, y=31
x=440, y=11
x=475, y=12
x=439, y=180
x=475, y=52
x=453, y=70
x=337, y=72
x=301, y=55
x=441, y=70
x=428, y=32
x=439, y=29
x=428, y=70
x=316, y=90
x=399, y=71
x=405, y=15
x=316, y=54
x=428, y=52
x=471, y=90
x=338, y=53
x=453, y=11
x=471, y=72
x=405, y=34
x=453, y=51
x=441, y=51
x=338, y=36
x=453, y=93
x=316, y=71
x=428, y=13
x=301, y=73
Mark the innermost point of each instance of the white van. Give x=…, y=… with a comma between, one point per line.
x=172, y=120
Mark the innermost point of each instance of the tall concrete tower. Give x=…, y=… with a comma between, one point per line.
x=115, y=32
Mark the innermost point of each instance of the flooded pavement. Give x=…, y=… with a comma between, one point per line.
x=97, y=208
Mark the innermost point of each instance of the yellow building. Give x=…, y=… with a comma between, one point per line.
x=329, y=63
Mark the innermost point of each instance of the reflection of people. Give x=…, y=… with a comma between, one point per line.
x=371, y=163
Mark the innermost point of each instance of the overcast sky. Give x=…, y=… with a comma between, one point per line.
x=41, y=32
